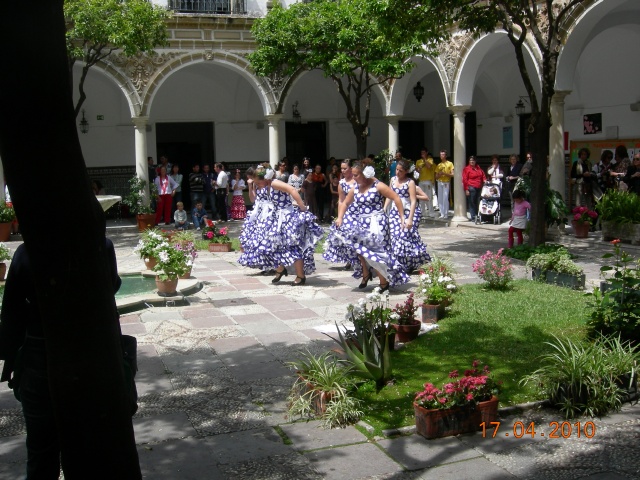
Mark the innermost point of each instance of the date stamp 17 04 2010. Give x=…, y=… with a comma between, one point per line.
x=554, y=430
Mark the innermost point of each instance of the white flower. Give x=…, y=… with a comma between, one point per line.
x=424, y=276
x=394, y=316
x=163, y=256
x=446, y=279
x=369, y=172
x=386, y=294
x=424, y=290
x=362, y=302
x=451, y=286
x=416, y=175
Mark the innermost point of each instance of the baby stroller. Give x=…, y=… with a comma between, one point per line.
x=489, y=202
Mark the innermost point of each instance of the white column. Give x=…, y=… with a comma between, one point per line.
x=459, y=161
x=394, y=122
x=142, y=170
x=274, y=138
x=556, y=143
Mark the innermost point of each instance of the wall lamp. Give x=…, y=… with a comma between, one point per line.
x=84, y=124
x=418, y=91
x=520, y=106
x=297, y=118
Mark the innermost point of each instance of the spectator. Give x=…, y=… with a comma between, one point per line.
x=208, y=190
x=180, y=217
x=581, y=179
x=602, y=171
x=513, y=175
x=296, y=179
x=238, y=208
x=473, y=179
x=444, y=174
x=622, y=164
x=528, y=166
x=632, y=177
x=152, y=170
x=282, y=173
x=164, y=162
x=166, y=190
x=495, y=171
x=198, y=215
x=426, y=180
x=321, y=182
x=196, y=185
x=177, y=177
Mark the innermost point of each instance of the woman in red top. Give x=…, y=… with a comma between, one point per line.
x=473, y=178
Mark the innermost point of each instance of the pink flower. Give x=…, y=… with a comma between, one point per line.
x=209, y=235
x=223, y=231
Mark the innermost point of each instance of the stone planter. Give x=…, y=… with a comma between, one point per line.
x=219, y=247
x=575, y=282
x=626, y=232
x=454, y=421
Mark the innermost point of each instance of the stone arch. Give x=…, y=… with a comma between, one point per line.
x=122, y=81
x=399, y=88
x=589, y=22
x=175, y=61
x=472, y=53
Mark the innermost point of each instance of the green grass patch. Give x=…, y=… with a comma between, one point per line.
x=506, y=330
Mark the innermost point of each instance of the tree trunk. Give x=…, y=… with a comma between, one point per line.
x=360, y=133
x=44, y=166
x=540, y=151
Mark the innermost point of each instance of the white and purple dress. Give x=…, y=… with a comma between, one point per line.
x=283, y=236
x=337, y=248
x=406, y=244
x=367, y=232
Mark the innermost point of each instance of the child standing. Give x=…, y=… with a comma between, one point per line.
x=519, y=218
x=180, y=217
x=238, y=208
x=198, y=215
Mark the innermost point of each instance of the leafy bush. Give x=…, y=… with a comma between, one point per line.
x=524, y=251
x=616, y=310
x=585, y=378
x=619, y=207
x=557, y=261
x=7, y=213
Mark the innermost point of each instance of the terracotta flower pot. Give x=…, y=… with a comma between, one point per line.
x=145, y=221
x=219, y=247
x=5, y=232
x=407, y=333
x=3, y=270
x=186, y=275
x=438, y=423
x=150, y=262
x=581, y=229
x=430, y=313
x=166, y=288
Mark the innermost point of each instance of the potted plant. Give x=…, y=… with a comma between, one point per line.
x=556, y=268
x=583, y=220
x=218, y=239
x=185, y=241
x=147, y=248
x=172, y=264
x=436, y=287
x=138, y=203
x=322, y=390
x=368, y=345
x=403, y=318
x=460, y=406
x=7, y=216
x=5, y=254
x=620, y=216
x=495, y=269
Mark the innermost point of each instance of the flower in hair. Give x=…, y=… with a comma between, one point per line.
x=412, y=169
x=269, y=175
x=369, y=172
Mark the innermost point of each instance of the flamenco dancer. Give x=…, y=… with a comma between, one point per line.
x=367, y=229
x=286, y=236
x=262, y=210
x=406, y=244
x=337, y=250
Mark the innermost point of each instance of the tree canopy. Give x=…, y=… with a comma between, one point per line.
x=96, y=28
x=345, y=40
x=540, y=21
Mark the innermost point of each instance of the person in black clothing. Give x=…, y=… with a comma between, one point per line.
x=21, y=329
x=632, y=177
x=513, y=174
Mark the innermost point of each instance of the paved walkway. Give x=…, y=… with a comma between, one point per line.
x=213, y=385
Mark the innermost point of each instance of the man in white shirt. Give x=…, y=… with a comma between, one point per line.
x=222, y=191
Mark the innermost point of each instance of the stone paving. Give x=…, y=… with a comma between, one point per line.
x=213, y=383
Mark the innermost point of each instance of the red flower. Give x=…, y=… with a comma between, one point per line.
x=615, y=242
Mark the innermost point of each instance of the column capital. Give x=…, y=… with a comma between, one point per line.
x=140, y=122
x=393, y=118
x=274, y=118
x=459, y=109
x=559, y=96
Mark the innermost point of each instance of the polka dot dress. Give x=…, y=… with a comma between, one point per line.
x=283, y=236
x=367, y=230
x=406, y=245
x=336, y=249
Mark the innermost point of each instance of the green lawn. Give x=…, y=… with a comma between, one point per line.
x=505, y=330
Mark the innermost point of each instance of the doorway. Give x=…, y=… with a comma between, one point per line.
x=186, y=144
x=411, y=138
x=306, y=140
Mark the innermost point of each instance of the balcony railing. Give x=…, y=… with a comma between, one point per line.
x=221, y=7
